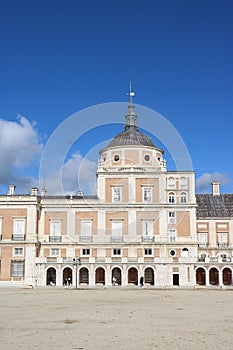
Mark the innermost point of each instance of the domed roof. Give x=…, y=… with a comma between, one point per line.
x=131, y=137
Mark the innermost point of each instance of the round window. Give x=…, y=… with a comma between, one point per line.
x=116, y=158
x=147, y=158
x=172, y=252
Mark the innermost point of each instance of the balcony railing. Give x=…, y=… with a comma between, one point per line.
x=202, y=245
x=85, y=239
x=55, y=239
x=222, y=245
x=18, y=237
x=117, y=239
x=147, y=239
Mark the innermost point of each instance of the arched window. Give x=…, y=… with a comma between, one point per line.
x=183, y=182
x=171, y=198
x=171, y=182
x=185, y=253
x=183, y=197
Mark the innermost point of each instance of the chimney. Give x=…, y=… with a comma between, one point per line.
x=215, y=188
x=43, y=192
x=11, y=190
x=34, y=191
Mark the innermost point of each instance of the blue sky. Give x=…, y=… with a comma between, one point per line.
x=59, y=57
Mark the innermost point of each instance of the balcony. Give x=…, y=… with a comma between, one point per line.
x=147, y=239
x=202, y=245
x=85, y=239
x=222, y=245
x=18, y=237
x=117, y=239
x=55, y=239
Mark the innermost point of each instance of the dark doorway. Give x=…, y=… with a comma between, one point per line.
x=200, y=276
x=227, y=276
x=176, y=279
x=214, y=277
x=83, y=275
x=67, y=276
x=51, y=276
x=116, y=276
x=100, y=275
x=149, y=276
x=133, y=276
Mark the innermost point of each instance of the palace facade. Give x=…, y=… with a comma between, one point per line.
x=145, y=222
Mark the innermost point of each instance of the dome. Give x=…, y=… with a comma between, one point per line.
x=131, y=137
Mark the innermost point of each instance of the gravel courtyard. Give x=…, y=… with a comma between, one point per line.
x=115, y=318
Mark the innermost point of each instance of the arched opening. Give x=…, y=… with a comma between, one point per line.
x=149, y=276
x=185, y=253
x=214, y=276
x=200, y=276
x=116, y=276
x=133, y=276
x=51, y=276
x=100, y=275
x=83, y=276
x=227, y=276
x=67, y=276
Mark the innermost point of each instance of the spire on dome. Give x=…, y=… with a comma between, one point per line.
x=131, y=117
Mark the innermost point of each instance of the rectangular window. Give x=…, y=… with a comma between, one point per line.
x=117, y=231
x=55, y=228
x=19, y=229
x=116, y=194
x=202, y=240
x=18, y=251
x=116, y=251
x=147, y=251
x=55, y=252
x=86, y=251
x=222, y=239
x=171, y=217
x=147, y=194
x=86, y=230
x=17, y=268
x=172, y=235
x=147, y=230
x=0, y=228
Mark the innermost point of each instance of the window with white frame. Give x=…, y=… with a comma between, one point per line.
x=18, y=252
x=55, y=231
x=171, y=198
x=183, y=182
x=19, y=229
x=171, y=217
x=116, y=251
x=116, y=231
x=86, y=251
x=147, y=229
x=183, y=197
x=148, y=251
x=222, y=239
x=147, y=194
x=86, y=230
x=171, y=182
x=55, y=252
x=116, y=194
x=17, y=268
x=172, y=236
x=202, y=240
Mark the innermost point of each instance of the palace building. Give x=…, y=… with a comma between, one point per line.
x=145, y=221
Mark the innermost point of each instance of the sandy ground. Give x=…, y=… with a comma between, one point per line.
x=115, y=318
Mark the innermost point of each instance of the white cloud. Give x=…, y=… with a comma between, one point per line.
x=19, y=148
x=77, y=173
x=203, y=183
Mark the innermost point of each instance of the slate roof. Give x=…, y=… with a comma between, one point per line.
x=131, y=137
x=214, y=206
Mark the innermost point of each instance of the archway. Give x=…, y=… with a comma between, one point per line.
x=133, y=276
x=201, y=276
x=227, y=276
x=51, y=276
x=67, y=276
x=83, y=275
x=116, y=276
x=214, y=276
x=100, y=275
x=149, y=276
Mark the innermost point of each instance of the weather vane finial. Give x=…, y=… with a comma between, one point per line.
x=131, y=93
